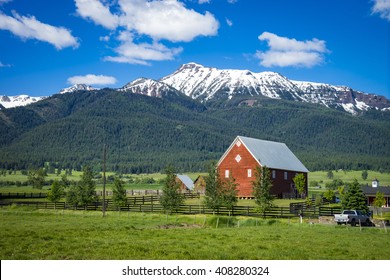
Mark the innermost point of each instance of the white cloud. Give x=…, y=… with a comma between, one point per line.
x=169, y=20
x=382, y=7
x=293, y=58
x=232, y=1
x=203, y=1
x=291, y=52
x=4, y=65
x=92, y=79
x=97, y=12
x=149, y=21
x=229, y=22
x=30, y=28
x=104, y=38
x=129, y=52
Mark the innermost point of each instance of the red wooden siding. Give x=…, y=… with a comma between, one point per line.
x=239, y=171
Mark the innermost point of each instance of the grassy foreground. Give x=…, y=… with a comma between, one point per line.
x=77, y=235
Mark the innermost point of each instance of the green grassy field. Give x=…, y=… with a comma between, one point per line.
x=349, y=176
x=78, y=235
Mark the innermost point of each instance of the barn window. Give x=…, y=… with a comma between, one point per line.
x=227, y=174
x=273, y=174
x=249, y=173
x=285, y=175
x=238, y=143
x=238, y=158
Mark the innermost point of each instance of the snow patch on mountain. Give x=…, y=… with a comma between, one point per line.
x=77, y=87
x=149, y=87
x=18, y=100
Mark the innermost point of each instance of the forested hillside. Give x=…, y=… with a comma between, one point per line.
x=145, y=134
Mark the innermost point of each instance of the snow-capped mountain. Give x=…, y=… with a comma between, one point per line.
x=149, y=87
x=209, y=84
x=18, y=100
x=76, y=87
x=206, y=83
x=23, y=100
x=350, y=100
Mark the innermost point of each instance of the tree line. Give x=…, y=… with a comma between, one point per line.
x=219, y=192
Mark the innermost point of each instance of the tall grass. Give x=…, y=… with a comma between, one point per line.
x=76, y=235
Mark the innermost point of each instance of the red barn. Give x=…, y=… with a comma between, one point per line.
x=245, y=154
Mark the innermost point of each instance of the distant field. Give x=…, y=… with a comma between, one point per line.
x=76, y=235
x=319, y=176
x=349, y=176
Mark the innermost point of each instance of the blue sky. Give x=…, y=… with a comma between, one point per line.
x=49, y=45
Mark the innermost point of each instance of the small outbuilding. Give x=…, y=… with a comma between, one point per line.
x=245, y=154
x=186, y=184
x=200, y=185
x=371, y=191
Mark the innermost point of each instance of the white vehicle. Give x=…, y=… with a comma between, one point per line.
x=352, y=217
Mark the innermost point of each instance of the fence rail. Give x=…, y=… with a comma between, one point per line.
x=22, y=195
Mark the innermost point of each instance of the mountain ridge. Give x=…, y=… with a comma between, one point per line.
x=208, y=84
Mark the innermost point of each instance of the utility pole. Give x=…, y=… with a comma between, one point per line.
x=104, y=179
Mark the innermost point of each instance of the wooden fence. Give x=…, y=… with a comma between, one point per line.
x=149, y=204
x=131, y=193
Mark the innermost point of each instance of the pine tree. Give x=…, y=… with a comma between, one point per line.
x=171, y=198
x=354, y=198
x=72, y=196
x=84, y=192
x=87, y=187
x=119, y=192
x=55, y=193
x=213, y=189
x=364, y=174
x=229, y=193
x=261, y=189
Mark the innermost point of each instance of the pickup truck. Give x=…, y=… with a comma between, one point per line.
x=352, y=217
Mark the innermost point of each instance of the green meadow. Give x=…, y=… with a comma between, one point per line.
x=79, y=235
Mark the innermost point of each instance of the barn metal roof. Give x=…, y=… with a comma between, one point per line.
x=272, y=154
x=186, y=181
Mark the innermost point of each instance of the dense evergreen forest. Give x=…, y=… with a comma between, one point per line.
x=146, y=134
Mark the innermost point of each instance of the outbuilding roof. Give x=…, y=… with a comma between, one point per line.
x=368, y=190
x=186, y=181
x=274, y=155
